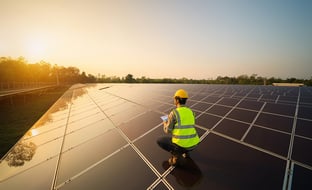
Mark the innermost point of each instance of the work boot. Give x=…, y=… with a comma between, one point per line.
x=185, y=155
x=173, y=160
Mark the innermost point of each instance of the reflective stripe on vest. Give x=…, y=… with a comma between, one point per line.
x=184, y=133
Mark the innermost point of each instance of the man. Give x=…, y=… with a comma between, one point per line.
x=181, y=124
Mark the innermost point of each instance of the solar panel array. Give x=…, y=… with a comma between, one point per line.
x=104, y=137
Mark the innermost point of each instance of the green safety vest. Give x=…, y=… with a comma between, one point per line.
x=184, y=133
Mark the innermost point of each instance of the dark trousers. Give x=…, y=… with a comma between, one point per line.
x=166, y=144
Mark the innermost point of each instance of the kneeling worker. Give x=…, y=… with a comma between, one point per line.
x=181, y=124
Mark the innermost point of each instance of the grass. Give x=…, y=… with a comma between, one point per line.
x=19, y=113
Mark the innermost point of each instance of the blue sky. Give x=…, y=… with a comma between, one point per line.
x=163, y=38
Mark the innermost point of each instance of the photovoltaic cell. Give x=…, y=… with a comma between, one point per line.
x=201, y=106
x=132, y=112
x=305, y=112
x=164, y=107
x=275, y=122
x=301, y=178
x=304, y=128
x=207, y=120
x=228, y=101
x=288, y=99
x=219, y=110
x=249, y=104
x=232, y=128
x=269, y=140
x=242, y=115
x=140, y=124
x=211, y=99
x=300, y=152
x=86, y=133
x=288, y=110
x=253, y=96
x=306, y=100
x=199, y=97
x=268, y=98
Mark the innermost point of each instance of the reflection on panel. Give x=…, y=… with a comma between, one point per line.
x=116, y=173
x=84, y=121
x=84, y=115
x=86, y=154
x=127, y=114
x=47, y=127
x=118, y=107
x=27, y=155
x=48, y=136
x=38, y=177
x=141, y=124
x=86, y=133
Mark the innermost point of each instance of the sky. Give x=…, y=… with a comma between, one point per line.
x=162, y=38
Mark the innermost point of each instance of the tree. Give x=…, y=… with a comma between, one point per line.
x=129, y=78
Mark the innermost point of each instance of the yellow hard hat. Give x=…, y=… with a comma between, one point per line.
x=181, y=93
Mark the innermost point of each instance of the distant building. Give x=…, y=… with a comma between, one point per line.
x=288, y=84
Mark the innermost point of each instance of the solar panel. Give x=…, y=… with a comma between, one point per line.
x=103, y=136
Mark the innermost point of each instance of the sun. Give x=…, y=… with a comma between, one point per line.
x=36, y=50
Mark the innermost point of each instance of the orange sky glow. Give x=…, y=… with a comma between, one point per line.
x=158, y=38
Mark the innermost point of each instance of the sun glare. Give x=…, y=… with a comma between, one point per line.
x=34, y=132
x=36, y=50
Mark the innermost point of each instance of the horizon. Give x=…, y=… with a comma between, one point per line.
x=103, y=75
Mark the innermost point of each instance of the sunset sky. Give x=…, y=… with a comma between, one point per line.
x=162, y=38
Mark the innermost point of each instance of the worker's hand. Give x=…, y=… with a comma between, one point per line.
x=165, y=127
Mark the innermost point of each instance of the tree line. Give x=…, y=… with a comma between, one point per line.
x=253, y=79
x=19, y=71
